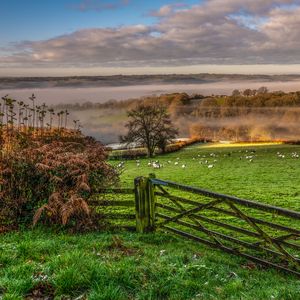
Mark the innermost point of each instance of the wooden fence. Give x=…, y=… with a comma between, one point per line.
x=263, y=233
x=115, y=207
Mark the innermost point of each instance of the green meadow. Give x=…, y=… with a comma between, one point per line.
x=40, y=263
x=266, y=173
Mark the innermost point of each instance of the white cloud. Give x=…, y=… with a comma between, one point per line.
x=167, y=10
x=238, y=32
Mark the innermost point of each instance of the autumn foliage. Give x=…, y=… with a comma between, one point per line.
x=51, y=180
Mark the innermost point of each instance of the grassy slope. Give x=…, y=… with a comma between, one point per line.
x=138, y=268
x=267, y=178
x=134, y=267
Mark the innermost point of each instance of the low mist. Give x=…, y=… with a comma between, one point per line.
x=237, y=123
x=58, y=95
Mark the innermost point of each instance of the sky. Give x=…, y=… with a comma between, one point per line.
x=103, y=37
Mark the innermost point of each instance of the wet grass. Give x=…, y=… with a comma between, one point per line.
x=42, y=263
x=129, y=266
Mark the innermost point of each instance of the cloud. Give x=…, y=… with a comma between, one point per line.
x=99, y=5
x=240, y=32
x=167, y=10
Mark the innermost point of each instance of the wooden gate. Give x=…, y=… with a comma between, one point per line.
x=115, y=208
x=265, y=234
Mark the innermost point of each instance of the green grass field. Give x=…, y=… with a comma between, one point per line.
x=41, y=263
x=267, y=178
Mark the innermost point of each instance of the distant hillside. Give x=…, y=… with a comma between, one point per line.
x=122, y=80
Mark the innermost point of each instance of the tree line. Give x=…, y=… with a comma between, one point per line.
x=251, y=114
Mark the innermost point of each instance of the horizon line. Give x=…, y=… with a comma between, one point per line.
x=253, y=69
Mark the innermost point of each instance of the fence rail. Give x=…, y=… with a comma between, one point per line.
x=127, y=191
x=115, y=206
x=260, y=232
x=249, y=203
x=263, y=233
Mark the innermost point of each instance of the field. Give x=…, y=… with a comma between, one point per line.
x=41, y=263
x=267, y=173
x=37, y=264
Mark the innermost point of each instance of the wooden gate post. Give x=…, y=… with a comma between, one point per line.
x=144, y=204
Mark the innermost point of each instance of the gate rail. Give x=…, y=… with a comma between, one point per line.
x=116, y=206
x=263, y=233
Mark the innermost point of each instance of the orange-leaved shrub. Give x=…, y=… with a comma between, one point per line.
x=50, y=181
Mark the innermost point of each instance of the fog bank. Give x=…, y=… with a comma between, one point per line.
x=55, y=95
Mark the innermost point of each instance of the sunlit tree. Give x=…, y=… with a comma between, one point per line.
x=149, y=126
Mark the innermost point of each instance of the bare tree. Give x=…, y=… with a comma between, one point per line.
x=262, y=90
x=149, y=126
x=247, y=92
x=66, y=118
x=236, y=93
x=32, y=98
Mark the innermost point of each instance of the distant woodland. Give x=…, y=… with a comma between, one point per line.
x=249, y=115
x=127, y=80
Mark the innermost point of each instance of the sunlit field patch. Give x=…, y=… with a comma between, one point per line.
x=228, y=144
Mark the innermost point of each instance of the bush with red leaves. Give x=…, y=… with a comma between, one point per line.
x=51, y=181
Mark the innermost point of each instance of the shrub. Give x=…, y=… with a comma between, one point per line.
x=129, y=153
x=51, y=180
x=142, y=152
x=181, y=144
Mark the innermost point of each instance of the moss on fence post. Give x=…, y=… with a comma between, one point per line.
x=144, y=204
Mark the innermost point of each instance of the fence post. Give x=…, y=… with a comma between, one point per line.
x=144, y=204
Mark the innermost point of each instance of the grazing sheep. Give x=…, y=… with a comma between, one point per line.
x=121, y=164
x=156, y=165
